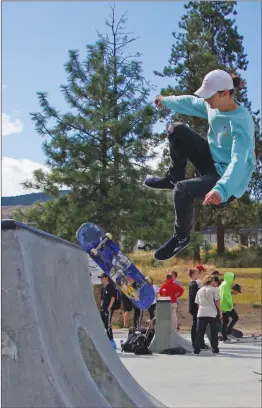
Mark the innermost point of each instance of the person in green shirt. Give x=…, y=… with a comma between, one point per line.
x=224, y=161
x=226, y=289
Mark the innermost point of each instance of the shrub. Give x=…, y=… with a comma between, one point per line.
x=240, y=257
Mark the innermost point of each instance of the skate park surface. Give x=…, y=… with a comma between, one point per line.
x=55, y=352
x=207, y=380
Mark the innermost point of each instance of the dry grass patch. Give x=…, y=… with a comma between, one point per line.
x=248, y=278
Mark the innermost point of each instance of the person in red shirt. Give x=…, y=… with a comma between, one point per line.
x=174, y=291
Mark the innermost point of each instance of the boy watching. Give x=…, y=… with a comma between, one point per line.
x=108, y=296
x=227, y=306
x=174, y=291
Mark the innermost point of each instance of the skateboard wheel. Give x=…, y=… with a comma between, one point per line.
x=93, y=251
x=108, y=235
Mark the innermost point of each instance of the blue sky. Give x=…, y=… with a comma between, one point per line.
x=36, y=37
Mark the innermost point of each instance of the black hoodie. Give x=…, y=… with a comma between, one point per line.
x=193, y=289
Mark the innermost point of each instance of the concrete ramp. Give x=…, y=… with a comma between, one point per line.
x=55, y=352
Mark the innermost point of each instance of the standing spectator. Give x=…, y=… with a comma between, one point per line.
x=152, y=308
x=108, y=296
x=194, y=286
x=174, y=276
x=236, y=289
x=174, y=291
x=227, y=307
x=128, y=307
x=193, y=307
x=216, y=283
x=207, y=299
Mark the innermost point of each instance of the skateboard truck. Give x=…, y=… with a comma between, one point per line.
x=108, y=236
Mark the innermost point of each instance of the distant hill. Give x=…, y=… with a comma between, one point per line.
x=29, y=199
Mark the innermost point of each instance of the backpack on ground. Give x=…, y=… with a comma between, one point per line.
x=138, y=341
x=127, y=346
x=140, y=345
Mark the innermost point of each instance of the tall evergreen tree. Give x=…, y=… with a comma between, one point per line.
x=100, y=148
x=209, y=40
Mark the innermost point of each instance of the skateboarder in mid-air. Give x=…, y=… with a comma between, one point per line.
x=224, y=160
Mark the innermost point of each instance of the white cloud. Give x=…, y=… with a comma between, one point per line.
x=11, y=126
x=15, y=172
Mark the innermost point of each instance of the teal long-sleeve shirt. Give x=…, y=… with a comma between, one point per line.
x=231, y=138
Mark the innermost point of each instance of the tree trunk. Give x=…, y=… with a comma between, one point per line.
x=220, y=236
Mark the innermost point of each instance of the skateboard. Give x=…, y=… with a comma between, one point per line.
x=236, y=333
x=108, y=256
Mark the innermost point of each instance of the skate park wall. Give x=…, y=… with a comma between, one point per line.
x=55, y=352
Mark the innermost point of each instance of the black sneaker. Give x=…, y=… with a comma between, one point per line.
x=171, y=248
x=215, y=350
x=159, y=183
x=196, y=353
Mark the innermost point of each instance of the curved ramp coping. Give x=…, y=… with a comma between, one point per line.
x=55, y=352
x=166, y=337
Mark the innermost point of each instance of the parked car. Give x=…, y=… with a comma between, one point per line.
x=146, y=246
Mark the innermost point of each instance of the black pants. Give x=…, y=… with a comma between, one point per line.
x=107, y=318
x=202, y=323
x=193, y=332
x=138, y=317
x=151, y=311
x=185, y=144
x=208, y=330
x=227, y=328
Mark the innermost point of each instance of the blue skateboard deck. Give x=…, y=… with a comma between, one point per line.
x=107, y=255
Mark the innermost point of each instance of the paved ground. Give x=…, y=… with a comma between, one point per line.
x=225, y=380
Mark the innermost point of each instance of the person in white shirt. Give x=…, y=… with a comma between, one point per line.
x=208, y=302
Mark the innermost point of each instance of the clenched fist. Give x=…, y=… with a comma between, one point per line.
x=158, y=101
x=212, y=198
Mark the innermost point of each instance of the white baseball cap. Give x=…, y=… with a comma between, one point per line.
x=213, y=82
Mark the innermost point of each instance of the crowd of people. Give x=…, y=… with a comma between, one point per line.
x=210, y=303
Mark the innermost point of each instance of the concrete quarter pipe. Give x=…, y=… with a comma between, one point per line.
x=55, y=352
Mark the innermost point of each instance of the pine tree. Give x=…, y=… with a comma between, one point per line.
x=100, y=148
x=209, y=40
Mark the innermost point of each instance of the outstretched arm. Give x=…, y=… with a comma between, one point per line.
x=185, y=104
